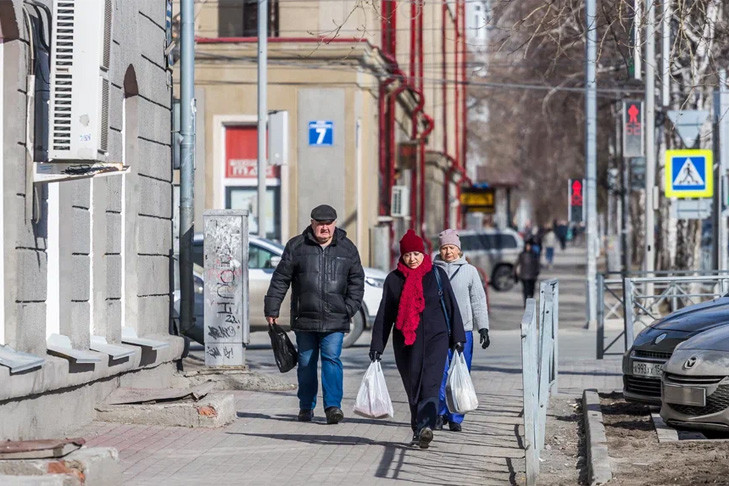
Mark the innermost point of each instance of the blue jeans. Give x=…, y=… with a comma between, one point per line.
x=330, y=345
x=550, y=254
x=468, y=354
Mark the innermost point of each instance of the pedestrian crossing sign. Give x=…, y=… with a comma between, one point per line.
x=689, y=173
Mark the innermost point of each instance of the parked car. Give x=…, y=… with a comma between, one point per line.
x=263, y=256
x=495, y=252
x=695, y=384
x=643, y=363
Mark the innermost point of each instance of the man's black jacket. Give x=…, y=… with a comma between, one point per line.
x=327, y=284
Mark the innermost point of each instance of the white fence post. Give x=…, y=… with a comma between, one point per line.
x=530, y=385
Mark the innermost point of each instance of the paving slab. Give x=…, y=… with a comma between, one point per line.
x=266, y=445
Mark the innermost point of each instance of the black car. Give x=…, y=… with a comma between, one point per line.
x=643, y=362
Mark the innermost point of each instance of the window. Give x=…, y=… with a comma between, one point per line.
x=471, y=242
x=239, y=18
x=259, y=258
x=247, y=198
x=506, y=241
x=489, y=241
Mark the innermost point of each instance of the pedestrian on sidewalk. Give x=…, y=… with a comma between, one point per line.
x=471, y=299
x=550, y=241
x=527, y=270
x=411, y=301
x=561, y=232
x=323, y=268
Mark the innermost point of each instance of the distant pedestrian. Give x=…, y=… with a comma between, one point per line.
x=534, y=237
x=323, y=268
x=411, y=301
x=561, y=233
x=550, y=241
x=471, y=299
x=527, y=270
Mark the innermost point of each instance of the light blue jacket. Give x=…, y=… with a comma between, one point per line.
x=469, y=292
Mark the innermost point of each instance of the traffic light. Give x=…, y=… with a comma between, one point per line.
x=575, y=191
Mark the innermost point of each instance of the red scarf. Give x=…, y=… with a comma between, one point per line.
x=412, y=302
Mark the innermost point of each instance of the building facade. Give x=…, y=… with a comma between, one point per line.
x=86, y=234
x=388, y=81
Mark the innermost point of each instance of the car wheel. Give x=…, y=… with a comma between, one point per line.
x=356, y=326
x=503, y=278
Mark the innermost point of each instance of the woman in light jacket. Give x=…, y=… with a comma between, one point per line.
x=411, y=303
x=471, y=298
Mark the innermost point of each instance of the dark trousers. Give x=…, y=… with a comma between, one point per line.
x=527, y=288
x=423, y=414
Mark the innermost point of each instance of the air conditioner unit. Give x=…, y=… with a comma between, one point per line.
x=400, y=202
x=79, y=103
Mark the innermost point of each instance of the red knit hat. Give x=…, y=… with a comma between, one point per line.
x=411, y=242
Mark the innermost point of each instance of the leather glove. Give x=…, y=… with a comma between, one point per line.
x=458, y=347
x=375, y=355
x=485, y=340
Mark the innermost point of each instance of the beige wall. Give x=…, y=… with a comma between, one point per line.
x=230, y=97
x=229, y=84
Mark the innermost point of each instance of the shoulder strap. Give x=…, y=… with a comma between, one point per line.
x=442, y=299
x=454, y=273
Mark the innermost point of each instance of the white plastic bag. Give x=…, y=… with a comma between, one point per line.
x=373, y=400
x=460, y=394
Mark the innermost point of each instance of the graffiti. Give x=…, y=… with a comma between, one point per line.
x=221, y=332
x=225, y=281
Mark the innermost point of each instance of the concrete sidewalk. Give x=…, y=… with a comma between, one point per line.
x=266, y=445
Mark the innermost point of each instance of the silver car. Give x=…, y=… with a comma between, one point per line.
x=263, y=256
x=495, y=252
x=695, y=383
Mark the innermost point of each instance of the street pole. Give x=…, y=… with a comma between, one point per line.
x=591, y=159
x=625, y=239
x=262, y=112
x=187, y=162
x=666, y=55
x=637, y=54
x=721, y=149
x=650, y=135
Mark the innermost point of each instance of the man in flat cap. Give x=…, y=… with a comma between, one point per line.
x=323, y=268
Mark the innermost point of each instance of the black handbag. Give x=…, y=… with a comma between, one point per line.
x=284, y=350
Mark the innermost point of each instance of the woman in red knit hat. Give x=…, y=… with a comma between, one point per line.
x=411, y=303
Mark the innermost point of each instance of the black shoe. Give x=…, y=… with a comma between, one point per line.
x=439, y=421
x=425, y=437
x=305, y=415
x=455, y=427
x=334, y=415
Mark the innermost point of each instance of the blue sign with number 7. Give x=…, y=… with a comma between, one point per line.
x=321, y=133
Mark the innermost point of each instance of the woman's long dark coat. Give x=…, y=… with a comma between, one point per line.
x=420, y=364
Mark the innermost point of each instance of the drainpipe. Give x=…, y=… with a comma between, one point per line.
x=383, y=131
x=464, y=115
x=414, y=212
x=423, y=138
x=415, y=176
x=456, y=90
x=187, y=163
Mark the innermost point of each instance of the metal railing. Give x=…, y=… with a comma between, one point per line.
x=643, y=305
x=539, y=354
x=611, y=305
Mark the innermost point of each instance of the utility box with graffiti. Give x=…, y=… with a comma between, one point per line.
x=227, y=326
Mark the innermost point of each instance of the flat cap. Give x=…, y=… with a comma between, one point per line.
x=324, y=213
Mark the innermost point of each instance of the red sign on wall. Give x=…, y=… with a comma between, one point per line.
x=241, y=151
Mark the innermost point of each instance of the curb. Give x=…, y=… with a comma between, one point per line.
x=664, y=432
x=598, y=462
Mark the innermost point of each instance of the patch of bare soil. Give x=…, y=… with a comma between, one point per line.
x=564, y=449
x=637, y=458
